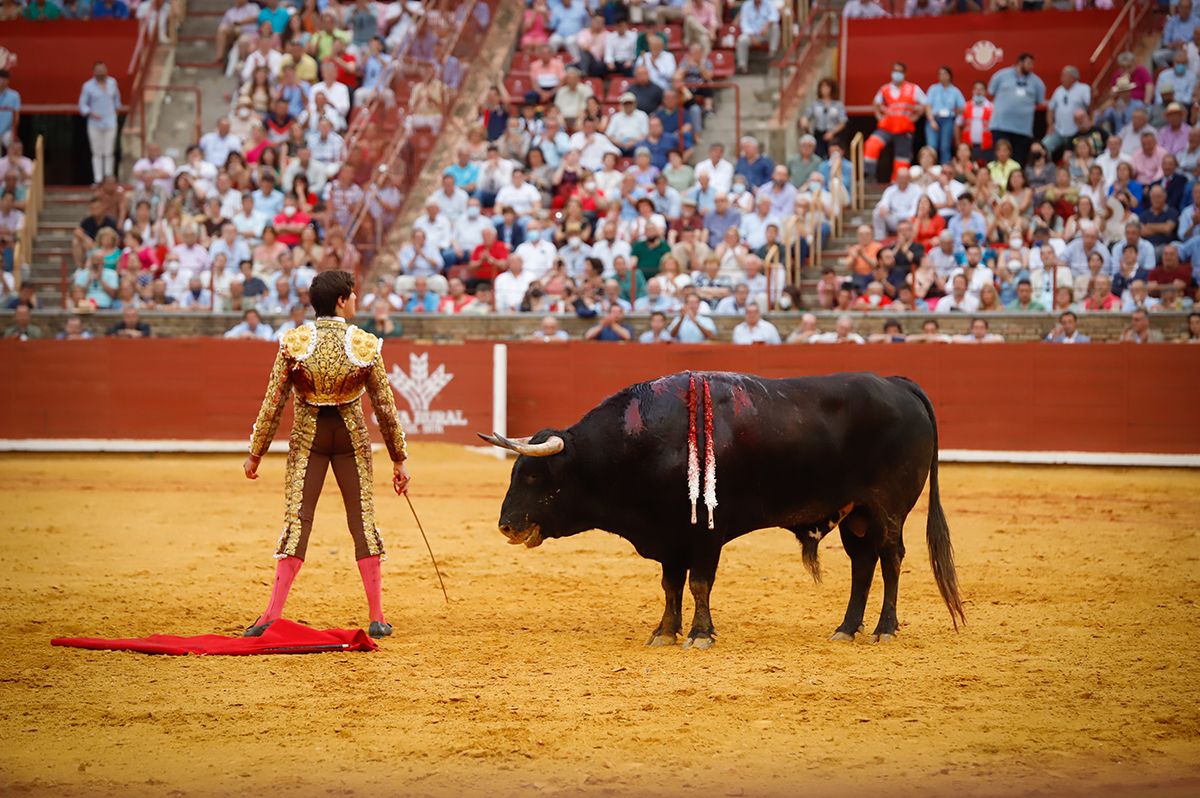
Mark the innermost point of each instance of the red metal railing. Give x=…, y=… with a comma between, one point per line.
x=818, y=30
x=1134, y=21
x=388, y=139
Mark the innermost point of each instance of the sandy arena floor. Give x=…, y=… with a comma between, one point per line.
x=1077, y=674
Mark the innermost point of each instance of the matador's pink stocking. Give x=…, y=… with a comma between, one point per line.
x=372, y=579
x=285, y=573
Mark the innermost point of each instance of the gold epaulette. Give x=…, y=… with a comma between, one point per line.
x=361, y=347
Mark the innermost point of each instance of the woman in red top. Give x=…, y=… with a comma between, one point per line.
x=928, y=224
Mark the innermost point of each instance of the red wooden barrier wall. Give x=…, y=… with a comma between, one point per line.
x=1056, y=39
x=55, y=58
x=1033, y=397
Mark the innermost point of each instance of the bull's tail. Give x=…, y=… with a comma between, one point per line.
x=937, y=531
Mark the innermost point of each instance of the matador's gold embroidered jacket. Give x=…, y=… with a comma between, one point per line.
x=328, y=364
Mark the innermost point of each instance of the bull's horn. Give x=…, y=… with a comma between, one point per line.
x=552, y=445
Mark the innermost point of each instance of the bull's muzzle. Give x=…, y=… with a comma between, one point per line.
x=531, y=535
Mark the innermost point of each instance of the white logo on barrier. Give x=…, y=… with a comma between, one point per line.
x=984, y=54
x=419, y=387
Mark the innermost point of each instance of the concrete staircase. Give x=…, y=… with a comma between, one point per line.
x=759, y=90
x=195, y=65
x=51, y=263
x=835, y=251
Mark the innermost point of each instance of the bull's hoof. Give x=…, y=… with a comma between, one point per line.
x=842, y=637
x=659, y=639
x=882, y=638
x=700, y=641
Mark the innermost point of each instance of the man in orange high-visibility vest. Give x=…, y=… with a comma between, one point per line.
x=898, y=106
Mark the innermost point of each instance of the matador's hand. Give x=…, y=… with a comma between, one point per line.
x=400, y=478
x=251, y=466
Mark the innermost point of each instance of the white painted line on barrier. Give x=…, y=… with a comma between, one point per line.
x=94, y=445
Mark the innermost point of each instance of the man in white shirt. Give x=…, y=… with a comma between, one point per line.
x=264, y=55
x=718, y=170
x=437, y=229
x=759, y=23
x=574, y=255
x=755, y=329
x=233, y=248
x=1131, y=134
x=842, y=333
x=629, y=125
x=592, y=145
x=326, y=147
x=1071, y=96
x=958, y=300
x=337, y=93
x=419, y=257
x=863, y=9
x=898, y=204
x=736, y=304
x=494, y=174
x=978, y=275
x=1077, y=252
x=510, y=286
x=217, y=144
x=519, y=195
x=157, y=165
x=251, y=326
x=608, y=248
x=536, y=253
x=753, y=227
x=659, y=63
x=620, y=49
x=450, y=198
x=249, y=222
x=468, y=229
x=1112, y=155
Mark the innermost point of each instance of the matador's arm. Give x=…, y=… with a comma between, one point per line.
x=279, y=388
x=384, y=402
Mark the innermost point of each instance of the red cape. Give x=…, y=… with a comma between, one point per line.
x=281, y=637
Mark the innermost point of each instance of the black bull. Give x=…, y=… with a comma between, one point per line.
x=805, y=454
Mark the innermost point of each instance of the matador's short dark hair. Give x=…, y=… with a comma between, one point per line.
x=327, y=288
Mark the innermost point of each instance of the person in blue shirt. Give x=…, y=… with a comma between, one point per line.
x=752, y=164
x=10, y=111
x=567, y=19
x=1177, y=33
x=275, y=14
x=109, y=9
x=943, y=102
x=464, y=171
x=658, y=143
x=422, y=299
x=99, y=100
x=1016, y=93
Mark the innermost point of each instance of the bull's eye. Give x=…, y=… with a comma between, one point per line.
x=531, y=479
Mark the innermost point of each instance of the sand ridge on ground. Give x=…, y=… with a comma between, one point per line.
x=1076, y=673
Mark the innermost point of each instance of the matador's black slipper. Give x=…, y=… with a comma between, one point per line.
x=257, y=630
x=379, y=629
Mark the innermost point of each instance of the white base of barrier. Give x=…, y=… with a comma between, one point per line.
x=89, y=445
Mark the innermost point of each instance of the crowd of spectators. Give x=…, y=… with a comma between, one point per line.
x=265, y=200
x=1097, y=214
x=591, y=188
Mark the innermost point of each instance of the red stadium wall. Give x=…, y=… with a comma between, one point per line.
x=869, y=47
x=55, y=58
x=1029, y=397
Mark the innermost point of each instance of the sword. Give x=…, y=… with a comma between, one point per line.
x=425, y=537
